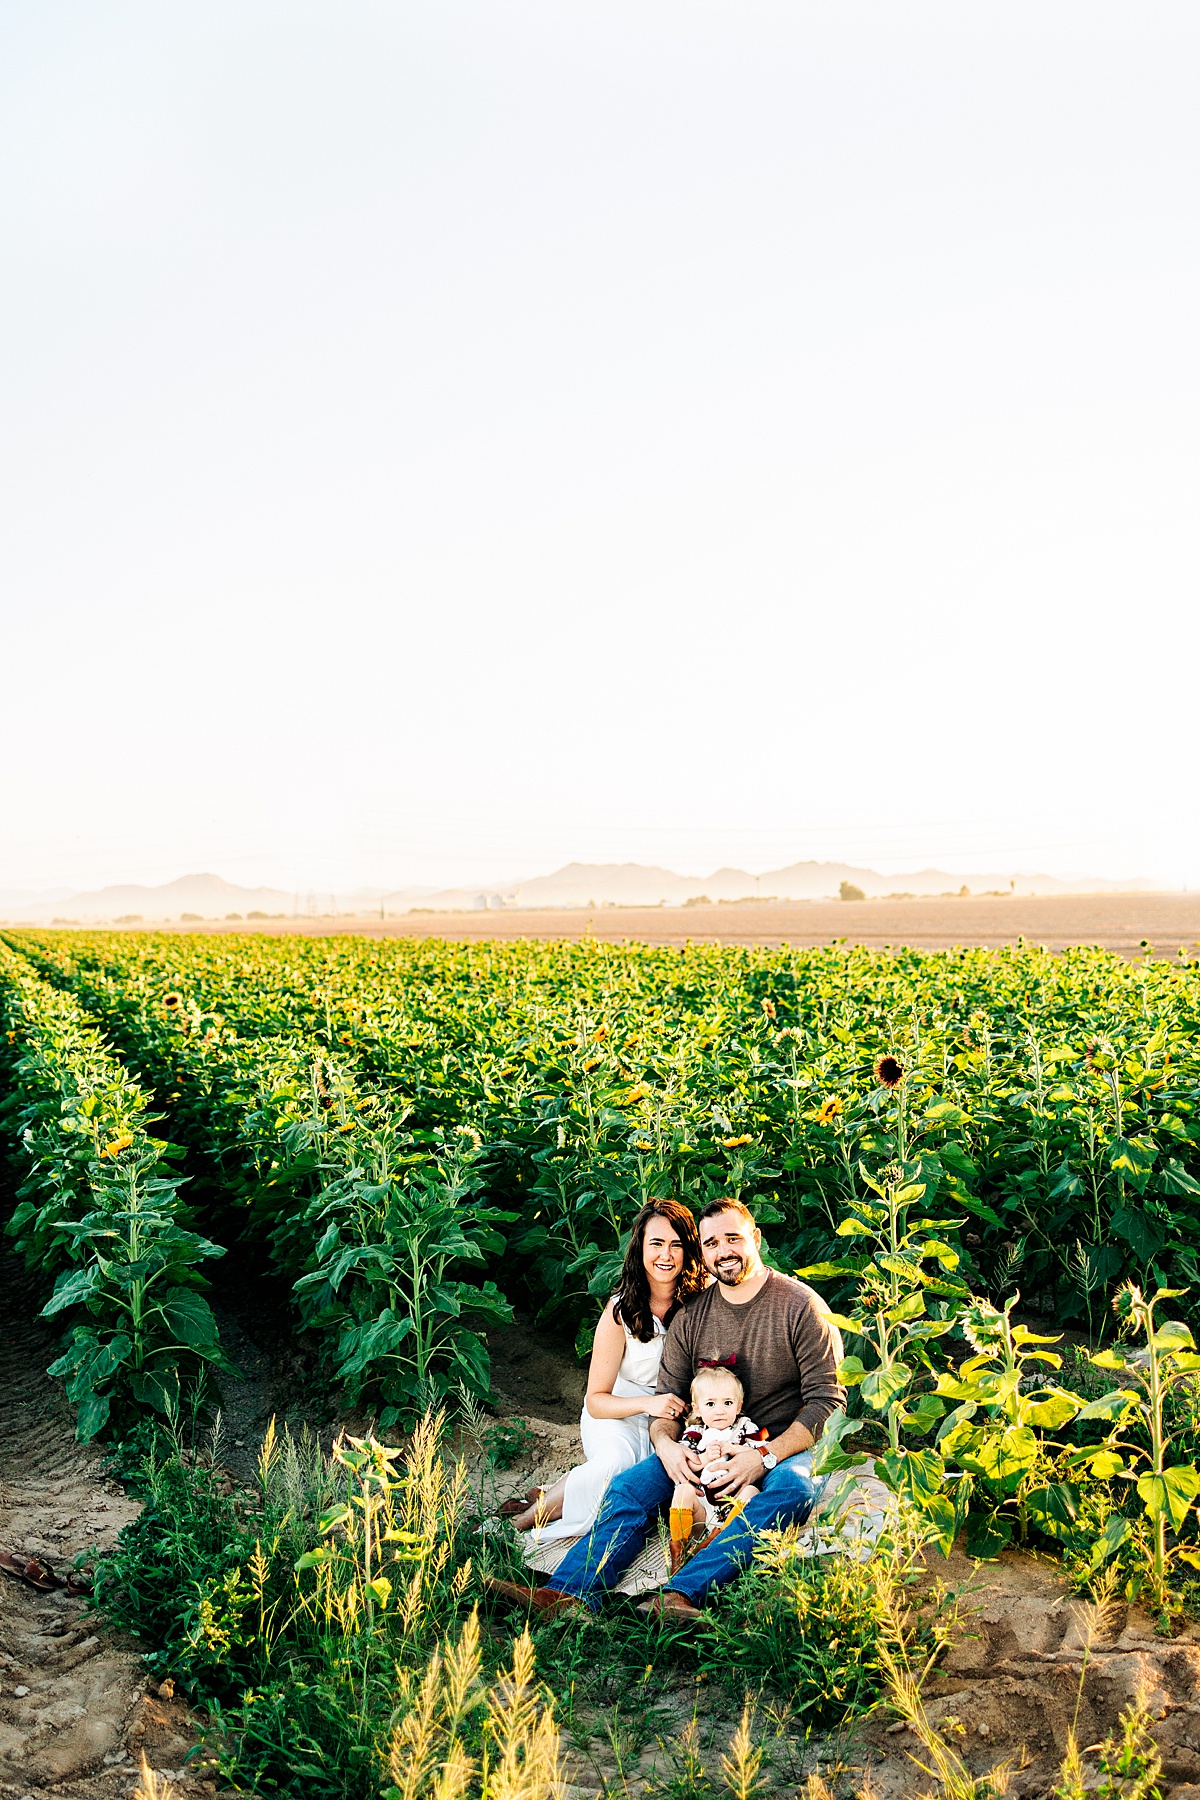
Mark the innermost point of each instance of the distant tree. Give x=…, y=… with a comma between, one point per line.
x=848, y=891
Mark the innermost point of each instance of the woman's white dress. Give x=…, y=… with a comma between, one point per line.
x=610, y=1445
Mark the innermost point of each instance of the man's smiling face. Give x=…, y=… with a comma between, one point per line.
x=730, y=1245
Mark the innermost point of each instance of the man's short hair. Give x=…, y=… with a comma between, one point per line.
x=719, y=1206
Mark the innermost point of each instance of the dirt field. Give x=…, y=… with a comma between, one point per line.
x=1117, y=921
x=76, y=1709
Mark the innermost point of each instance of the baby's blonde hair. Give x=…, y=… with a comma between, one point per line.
x=711, y=1381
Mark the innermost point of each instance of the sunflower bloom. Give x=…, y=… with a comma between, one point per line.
x=889, y=1071
x=115, y=1147
x=171, y=1000
x=829, y=1111
x=636, y=1093
x=768, y=1007
x=737, y=1142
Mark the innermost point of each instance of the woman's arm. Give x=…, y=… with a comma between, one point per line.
x=607, y=1352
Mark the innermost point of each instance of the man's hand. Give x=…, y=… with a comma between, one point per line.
x=677, y=1460
x=743, y=1468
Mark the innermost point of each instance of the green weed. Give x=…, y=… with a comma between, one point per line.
x=817, y=1630
x=506, y=1442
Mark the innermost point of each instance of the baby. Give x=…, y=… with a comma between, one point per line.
x=716, y=1426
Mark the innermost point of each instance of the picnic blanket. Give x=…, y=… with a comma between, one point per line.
x=850, y=1513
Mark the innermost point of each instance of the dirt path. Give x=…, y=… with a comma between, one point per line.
x=73, y=1704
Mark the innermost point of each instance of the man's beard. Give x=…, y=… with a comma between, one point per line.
x=733, y=1276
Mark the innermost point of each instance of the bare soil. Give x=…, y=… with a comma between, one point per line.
x=534, y=1377
x=1115, y=921
x=1034, y=1659
x=75, y=1707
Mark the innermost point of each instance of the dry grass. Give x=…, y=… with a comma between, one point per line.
x=151, y=1785
x=520, y=1759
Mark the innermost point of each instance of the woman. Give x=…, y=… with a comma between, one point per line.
x=663, y=1269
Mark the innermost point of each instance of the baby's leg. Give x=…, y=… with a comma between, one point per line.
x=730, y=1503
x=683, y=1502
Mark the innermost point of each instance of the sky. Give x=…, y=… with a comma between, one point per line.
x=440, y=440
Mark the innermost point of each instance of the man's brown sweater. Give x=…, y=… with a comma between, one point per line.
x=785, y=1352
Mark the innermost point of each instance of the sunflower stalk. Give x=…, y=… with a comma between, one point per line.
x=894, y=1328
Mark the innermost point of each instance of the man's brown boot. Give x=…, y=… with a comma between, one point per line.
x=537, y=1599
x=668, y=1604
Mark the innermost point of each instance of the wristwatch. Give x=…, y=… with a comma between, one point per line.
x=769, y=1458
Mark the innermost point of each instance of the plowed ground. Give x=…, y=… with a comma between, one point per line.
x=75, y=1711
x=1116, y=921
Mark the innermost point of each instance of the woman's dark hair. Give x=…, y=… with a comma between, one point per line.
x=632, y=1304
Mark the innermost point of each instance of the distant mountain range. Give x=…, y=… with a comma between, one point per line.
x=208, y=897
x=635, y=884
x=197, y=896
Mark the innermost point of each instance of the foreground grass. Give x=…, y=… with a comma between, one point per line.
x=334, y=1628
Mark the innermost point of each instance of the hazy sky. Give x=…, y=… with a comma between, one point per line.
x=447, y=437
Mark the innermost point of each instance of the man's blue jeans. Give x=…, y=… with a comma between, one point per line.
x=636, y=1498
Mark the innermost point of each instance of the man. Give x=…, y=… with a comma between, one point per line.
x=775, y=1334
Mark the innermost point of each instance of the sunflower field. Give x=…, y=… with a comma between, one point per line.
x=417, y=1129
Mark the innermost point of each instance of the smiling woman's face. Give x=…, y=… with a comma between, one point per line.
x=662, y=1251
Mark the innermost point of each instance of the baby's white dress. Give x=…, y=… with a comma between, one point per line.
x=610, y=1445
x=700, y=1440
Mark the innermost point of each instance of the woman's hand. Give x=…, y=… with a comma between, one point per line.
x=666, y=1406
